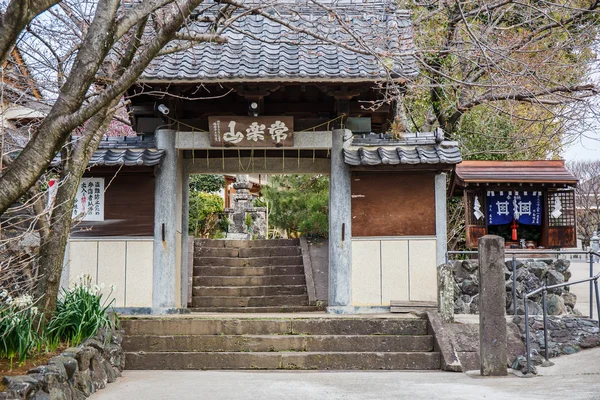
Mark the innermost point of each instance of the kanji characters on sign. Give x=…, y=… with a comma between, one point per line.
x=89, y=201
x=251, y=131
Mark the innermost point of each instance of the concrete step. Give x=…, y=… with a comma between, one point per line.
x=259, y=310
x=284, y=360
x=245, y=244
x=211, y=325
x=248, y=290
x=258, y=301
x=268, y=280
x=249, y=252
x=265, y=343
x=249, y=271
x=247, y=262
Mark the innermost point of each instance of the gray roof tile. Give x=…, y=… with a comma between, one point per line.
x=259, y=48
x=125, y=157
x=408, y=151
x=126, y=151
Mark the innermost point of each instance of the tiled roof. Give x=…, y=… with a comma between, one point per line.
x=127, y=157
x=261, y=49
x=532, y=171
x=126, y=151
x=421, y=148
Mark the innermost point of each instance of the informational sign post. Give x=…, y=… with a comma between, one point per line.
x=89, y=201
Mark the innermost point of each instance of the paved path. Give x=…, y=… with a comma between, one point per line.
x=573, y=377
x=581, y=270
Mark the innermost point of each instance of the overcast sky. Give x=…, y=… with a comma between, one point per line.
x=585, y=148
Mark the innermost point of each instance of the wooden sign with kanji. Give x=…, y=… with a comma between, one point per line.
x=251, y=131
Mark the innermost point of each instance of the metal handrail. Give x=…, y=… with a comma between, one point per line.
x=514, y=254
x=593, y=281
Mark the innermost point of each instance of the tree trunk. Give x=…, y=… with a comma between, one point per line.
x=52, y=249
x=69, y=111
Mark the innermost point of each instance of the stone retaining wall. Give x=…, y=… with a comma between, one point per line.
x=75, y=373
x=566, y=335
x=531, y=274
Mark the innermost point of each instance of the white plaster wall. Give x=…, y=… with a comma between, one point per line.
x=366, y=273
x=139, y=273
x=125, y=263
x=111, y=269
x=393, y=268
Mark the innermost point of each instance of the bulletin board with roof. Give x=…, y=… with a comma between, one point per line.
x=531, y=204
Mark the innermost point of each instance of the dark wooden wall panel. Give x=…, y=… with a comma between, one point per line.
x=561, y=236
x=393, y=204
x=129, y=205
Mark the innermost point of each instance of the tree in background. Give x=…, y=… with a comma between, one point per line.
x=207, y=183
x=506, y=79
x=206, y=206
x=299, y=204
x=205, y=214
x=587, y=198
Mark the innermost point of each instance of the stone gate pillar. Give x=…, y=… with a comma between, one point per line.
x=167, y=208
x=441, y=215
x=340, y=227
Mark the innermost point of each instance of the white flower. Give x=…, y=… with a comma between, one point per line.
x=9, y=300
x=113, y=287
x=23, y=301
x=34, y=310
x=3, y=293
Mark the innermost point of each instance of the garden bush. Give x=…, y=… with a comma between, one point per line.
x=205, y=214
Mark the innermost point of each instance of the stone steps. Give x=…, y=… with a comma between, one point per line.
x=247, y=252
x=244, y=244
x=284, y=360
x=311, y=343
x=264, y=309
x=249, y=271
x=211, y=325
x=268, y=280
x=247, y=261
x=248, y=290
x=249, y=276
x=249, y=301
x=266, y=343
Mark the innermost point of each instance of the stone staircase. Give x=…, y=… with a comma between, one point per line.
x=282, y=342
x=249, y=276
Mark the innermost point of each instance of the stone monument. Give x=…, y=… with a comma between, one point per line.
x=245, y=220
x=492, y=306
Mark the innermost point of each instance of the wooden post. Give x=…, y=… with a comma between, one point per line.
x=492, y=303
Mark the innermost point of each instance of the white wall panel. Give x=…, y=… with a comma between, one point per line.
x=83, y=259
x=366, y=273
x=111, y=269
x=123, y=262
x=423, y=271
x=394, y=271
x=139, y=274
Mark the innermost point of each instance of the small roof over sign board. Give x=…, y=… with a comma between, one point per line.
x=512, y=172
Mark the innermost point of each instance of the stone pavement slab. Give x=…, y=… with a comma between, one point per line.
x=575, y=377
